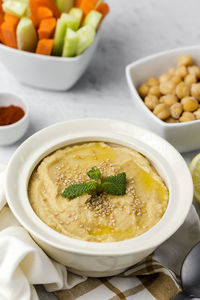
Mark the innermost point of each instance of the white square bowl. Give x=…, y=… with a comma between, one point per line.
x=46, y=72
x=183, y=136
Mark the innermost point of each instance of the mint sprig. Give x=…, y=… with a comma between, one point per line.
x=94, y=173
x=113, y=185
x=75, y=190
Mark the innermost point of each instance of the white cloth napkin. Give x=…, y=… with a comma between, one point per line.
x=23, y=263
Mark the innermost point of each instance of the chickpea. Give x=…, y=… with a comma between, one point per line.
x=169, y=99
x=185, y=60
x=195, y=70
x=167, y=87
x=182, y=90
x=151, y=101
x=181, y=71
x=152, y=81
x=176, y=110
x=171, y=120
x=190, y=79
x=187, y=116
x=162, y=111
x=172, y=72
x=195, y=90
x=176, y=79
x=197, y=114
x=143, y=90
x=155, y=90
x=164, y=78
x=189, y=104
x=161, y=100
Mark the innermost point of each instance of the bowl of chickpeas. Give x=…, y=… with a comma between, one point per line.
x=166, y=92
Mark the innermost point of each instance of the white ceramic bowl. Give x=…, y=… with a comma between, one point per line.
x=91, y=258
x=184, y=136
x=46, y=72
x=9, y=134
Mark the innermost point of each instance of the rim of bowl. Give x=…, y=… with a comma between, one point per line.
x=112, y=248
x=26, y=112
x=49, y=57
x=131, y=66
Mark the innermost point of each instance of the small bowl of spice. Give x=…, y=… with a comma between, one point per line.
x=14, y=118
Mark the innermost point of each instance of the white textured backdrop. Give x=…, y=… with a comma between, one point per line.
x=134, y=29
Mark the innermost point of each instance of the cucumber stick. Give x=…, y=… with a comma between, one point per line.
x=15, y=8
x=65, y=21
x=26, y=35
x=70, y=44
x=28, y=10
x=64, y=5
x=86, y=36
x=93, y=19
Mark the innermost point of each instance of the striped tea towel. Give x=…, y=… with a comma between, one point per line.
x=157, y=277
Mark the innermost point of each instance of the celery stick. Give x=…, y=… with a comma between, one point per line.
x=77, y=13
x=92, y=19
x=70, y=44
x=65, y=21
x=64, y=5
x=86, y=37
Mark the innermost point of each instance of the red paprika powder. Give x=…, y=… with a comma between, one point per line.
x=10, y=114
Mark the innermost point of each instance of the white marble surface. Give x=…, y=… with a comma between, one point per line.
x=133, y=30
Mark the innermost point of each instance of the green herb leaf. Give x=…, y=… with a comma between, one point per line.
x=94, y=173
x=115, y=185
x=75, y=190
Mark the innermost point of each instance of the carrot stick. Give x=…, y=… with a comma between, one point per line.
x=103, y=8
x=1, y=13
x=1, y=9
x=78, y=3
x=86, y=5
x=44, y=12
x=45, y=46
x=1, y=19
x=11, y=19
x=34, y=20
x=35, y=4
x=47, y=28
x=8, y=34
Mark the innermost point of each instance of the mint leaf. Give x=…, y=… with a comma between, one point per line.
x=115, y=185
x=75, y=190
x=94, y=173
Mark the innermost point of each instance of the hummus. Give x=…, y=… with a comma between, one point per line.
x=104, y=218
